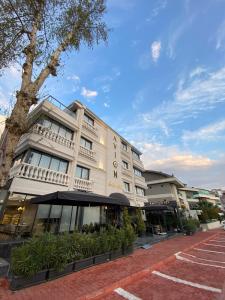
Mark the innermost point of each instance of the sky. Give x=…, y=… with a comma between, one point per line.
x=159, y=82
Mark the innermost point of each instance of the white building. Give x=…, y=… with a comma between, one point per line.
x=69, y=148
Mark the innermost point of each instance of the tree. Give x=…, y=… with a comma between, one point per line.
x=36, y=33
x=140, y=222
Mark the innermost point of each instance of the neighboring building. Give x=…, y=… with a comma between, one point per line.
x=69, y=148
x=188, y=195
x=2, y=124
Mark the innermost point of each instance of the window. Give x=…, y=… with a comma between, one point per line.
x=139, y=191
x=46, y=161
x=56, y=127
x=86, y=143
x=126, y=187
x=135, y=155
x=88, y=119
x=125, y=165
x=124, y=146
x=137, y=172
x=82, y=172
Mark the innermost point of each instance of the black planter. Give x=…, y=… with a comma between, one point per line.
x=101, y=258
x=83, y=263
x=116, y=254
x=128, y=250
x=67, y=270
x=19, y=282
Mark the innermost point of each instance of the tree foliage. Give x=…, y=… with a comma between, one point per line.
x=35, y=33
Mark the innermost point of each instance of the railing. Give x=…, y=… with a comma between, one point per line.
x=60, y=105
x=51, y=135
x=37, y=173
x=89, y=127
x=83, y=184
x=86, y=152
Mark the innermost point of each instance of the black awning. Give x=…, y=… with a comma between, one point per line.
x=76, y=198
x=154, y=207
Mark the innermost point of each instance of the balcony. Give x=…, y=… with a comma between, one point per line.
x=87, y=153
x=51, y=135
x=90, y=128
x=83, y=184
x=28, y=171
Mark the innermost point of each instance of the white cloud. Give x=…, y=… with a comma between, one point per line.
x=197, y=71
x=220, y=36
x=208, y=133
x=155, y=50
x=160, y=5
x=88, y=93
x=106, y=104
x=73, y=77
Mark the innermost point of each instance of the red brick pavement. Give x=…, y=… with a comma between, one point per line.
x=97, y=281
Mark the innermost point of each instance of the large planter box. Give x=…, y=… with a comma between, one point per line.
x=116, y=254
x=19, y=282
x=67, y=270
x=101, y=258
x=83, y=263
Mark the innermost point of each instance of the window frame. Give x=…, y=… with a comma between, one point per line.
x=82, y=168
x=86, y=142
x=140, y=189
x=137, y=172
x=89, y=120
x=125, y=164
x=126, y=186
x=124, y=146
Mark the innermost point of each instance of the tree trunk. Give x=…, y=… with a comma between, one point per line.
x=16, y=126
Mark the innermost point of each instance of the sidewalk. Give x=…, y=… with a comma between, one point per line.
x=95, y=281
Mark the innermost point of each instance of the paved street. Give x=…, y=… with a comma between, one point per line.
x=197, y=271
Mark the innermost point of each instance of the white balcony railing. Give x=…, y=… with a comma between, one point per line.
x=37, y=173
x=89, y=127
x=86, y=152
x=51, y=135
x=83, y=184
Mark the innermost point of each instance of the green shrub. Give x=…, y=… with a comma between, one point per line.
x=140, y=222
x=190, y=225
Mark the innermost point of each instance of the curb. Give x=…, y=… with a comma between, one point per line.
x=138, y=275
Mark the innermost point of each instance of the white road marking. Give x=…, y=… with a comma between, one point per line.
x=178, y=257
x=217, y=261
x=219, y=241
x=190, y=283
x=204, y=250
x=126, y=294
x=213, y=245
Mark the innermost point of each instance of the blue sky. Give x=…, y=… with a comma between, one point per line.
x=160, y=82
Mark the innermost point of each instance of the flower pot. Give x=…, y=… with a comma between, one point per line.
x=128, y=250
x=101, y=258
x=66, y=270
x=19, y=282
x=116, y=254
x=83, y=263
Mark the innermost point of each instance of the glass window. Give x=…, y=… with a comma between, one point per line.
x=139, y=191
x=63, y=166
x=88, y=119
x=54, y=165
x=43, y=211
x=126, y=187
x=69, y=134
x=62, y=131
x=65, y=219
x=45, y=161
x=82, y=172
x=136, y=155
x=137, y=172
x=86, y=143
x=34, y=158
x=124, y=146
x=55, y=127
x=56, y=211
x=125, y=164
x=73, y=218
x=46, y=123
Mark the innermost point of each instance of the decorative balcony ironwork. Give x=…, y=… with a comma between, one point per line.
x=83, y=184
x=90, y=128
x=87, y=153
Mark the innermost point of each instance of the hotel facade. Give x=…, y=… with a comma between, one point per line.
x=68, y=149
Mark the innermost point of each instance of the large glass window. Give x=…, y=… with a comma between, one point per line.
x=137, y=172
x=82, y=172
x=135, y=155
x=86, y=143
x=126, y=186
x=46, y=161
x=139, y=191
x=65, y=219
x=88, y=119
x=56, y=127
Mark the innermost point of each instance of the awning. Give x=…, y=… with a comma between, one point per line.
x=76, y=198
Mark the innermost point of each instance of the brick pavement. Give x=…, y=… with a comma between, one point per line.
x=94, y=282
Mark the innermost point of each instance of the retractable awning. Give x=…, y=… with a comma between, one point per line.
x=77, y=198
